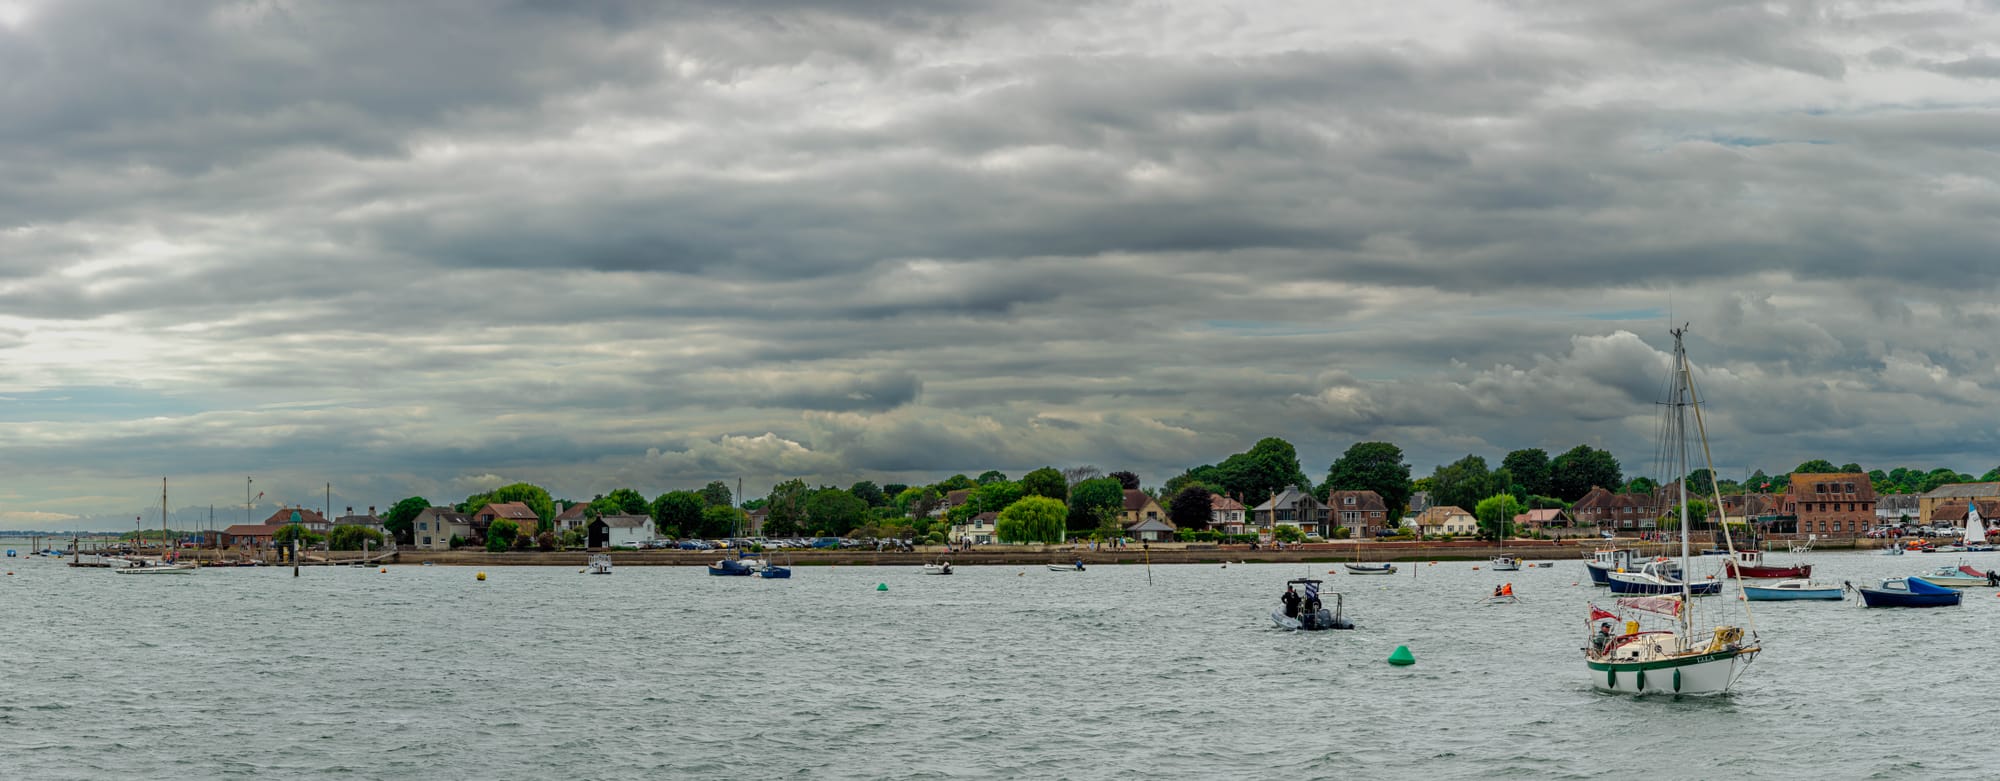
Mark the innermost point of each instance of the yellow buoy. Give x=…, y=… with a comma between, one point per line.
x=383, y=570
x=481, y=576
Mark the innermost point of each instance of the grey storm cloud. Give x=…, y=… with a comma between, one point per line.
x=432, y=248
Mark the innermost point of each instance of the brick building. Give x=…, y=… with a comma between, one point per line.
x=1833, y=504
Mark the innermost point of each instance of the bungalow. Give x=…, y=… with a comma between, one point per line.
x=250, y=535
x=1359, y=511
x=1536, y=520
x=1291, y=507
x=977, y=530
x=1153, y=529
x=434, y=528
x=612, y=531
x=1446, y=519
x=1225, y=514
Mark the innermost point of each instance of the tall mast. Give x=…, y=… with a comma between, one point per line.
x=1681, y=397
x=163, y=514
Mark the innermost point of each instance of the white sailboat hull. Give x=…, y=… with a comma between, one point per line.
x=164, y=569
x=1708, y=674
x=1506, y=564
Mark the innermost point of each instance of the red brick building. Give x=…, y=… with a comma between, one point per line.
x=1835, y=504
x=1625, y=512
x=1361, y=511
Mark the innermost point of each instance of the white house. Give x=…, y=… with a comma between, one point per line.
x=611, y=531
x=977, y=530
x=1225, y=514
x=1447, y=520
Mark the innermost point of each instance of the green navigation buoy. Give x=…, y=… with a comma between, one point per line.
x=881, y=587
x=1402, y=656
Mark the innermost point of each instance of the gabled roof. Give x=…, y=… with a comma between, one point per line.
x=1545, y=515
x=1220, y=502
x=1289, y=497
x=1960, y=490
x=625, y=521
x=1438, y=514
x=573, y=512
x=446, y=515
x=357, y=520
x=958, y=497
x=1150, y=525
x=1136, y=499
x=985, y=518
x=1953, y=511
x=284, y=516
x=513, y=511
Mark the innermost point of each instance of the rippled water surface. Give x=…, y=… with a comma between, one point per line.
x=994, y=672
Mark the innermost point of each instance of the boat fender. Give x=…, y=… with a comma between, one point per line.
x=1631, y=627
x=1642, y=680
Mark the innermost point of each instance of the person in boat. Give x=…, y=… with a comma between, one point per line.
x=1291, y=600
x=1993, y=577
x=1602, y=639
x=1312, y=605
x=1497, y=591
x=1079, y=565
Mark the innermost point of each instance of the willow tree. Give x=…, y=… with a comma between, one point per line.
x=1032, y=519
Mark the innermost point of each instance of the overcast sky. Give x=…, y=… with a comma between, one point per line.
x=428, y=248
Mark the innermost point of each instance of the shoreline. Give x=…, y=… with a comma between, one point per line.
x=1162, y=553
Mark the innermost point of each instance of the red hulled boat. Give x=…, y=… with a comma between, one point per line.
x=1750, y=564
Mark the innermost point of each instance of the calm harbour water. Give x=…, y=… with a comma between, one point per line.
x=993, y=672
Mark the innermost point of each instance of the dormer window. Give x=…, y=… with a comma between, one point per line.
x=1347, y=500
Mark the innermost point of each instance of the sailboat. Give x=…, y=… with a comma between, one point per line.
x=162, y=565
x=1975, y=530
x=1678, y=655
x=1504, y=562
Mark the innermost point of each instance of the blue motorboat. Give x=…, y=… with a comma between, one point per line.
x=774, y=572
x=1786, y=590
x=1909, y=592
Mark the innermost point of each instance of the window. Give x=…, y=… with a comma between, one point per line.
x=423, y=526
x=1347, y=500
x=1836, y=526
x=427, y=540
x=1850, y=488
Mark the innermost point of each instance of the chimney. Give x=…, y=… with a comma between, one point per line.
x=350, y=510
x=371, y=511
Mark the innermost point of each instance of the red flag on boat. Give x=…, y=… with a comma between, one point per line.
x=1598, y=613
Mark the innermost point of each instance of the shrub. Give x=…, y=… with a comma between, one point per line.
x=457, y=542
x=1342, y=533
x=1288, y=534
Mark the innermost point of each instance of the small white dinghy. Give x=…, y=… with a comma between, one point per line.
x=600, y=564
x=938, y=569
x=1076, y=567
x=147, y=567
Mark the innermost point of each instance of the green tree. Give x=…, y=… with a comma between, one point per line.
x=675, y=511
x=1372, y=466
x=721, y=520
x=867, y=491
x=529, y=494
x=1573, y=474
x=399, y=517
x=1191, y=508
x=993, y=497
x=1268, y=467
x=1463, y=483
x=1850, y=467
x=1758, y=482
x=1094, y=502
x=1530, y=468
x=716, y=494
x=500, y=535
x=832, y=512
x=1046, y=481
x=285, y=534
x=1641, y=485
x=991, y=476
x=1496, y=516
x=1032, y=519
x=955, y=483
x=1126, y=478
x=622, y=501
x=786, y=508
x=1816, y=466
x=350, y=537
x=1287, y=533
